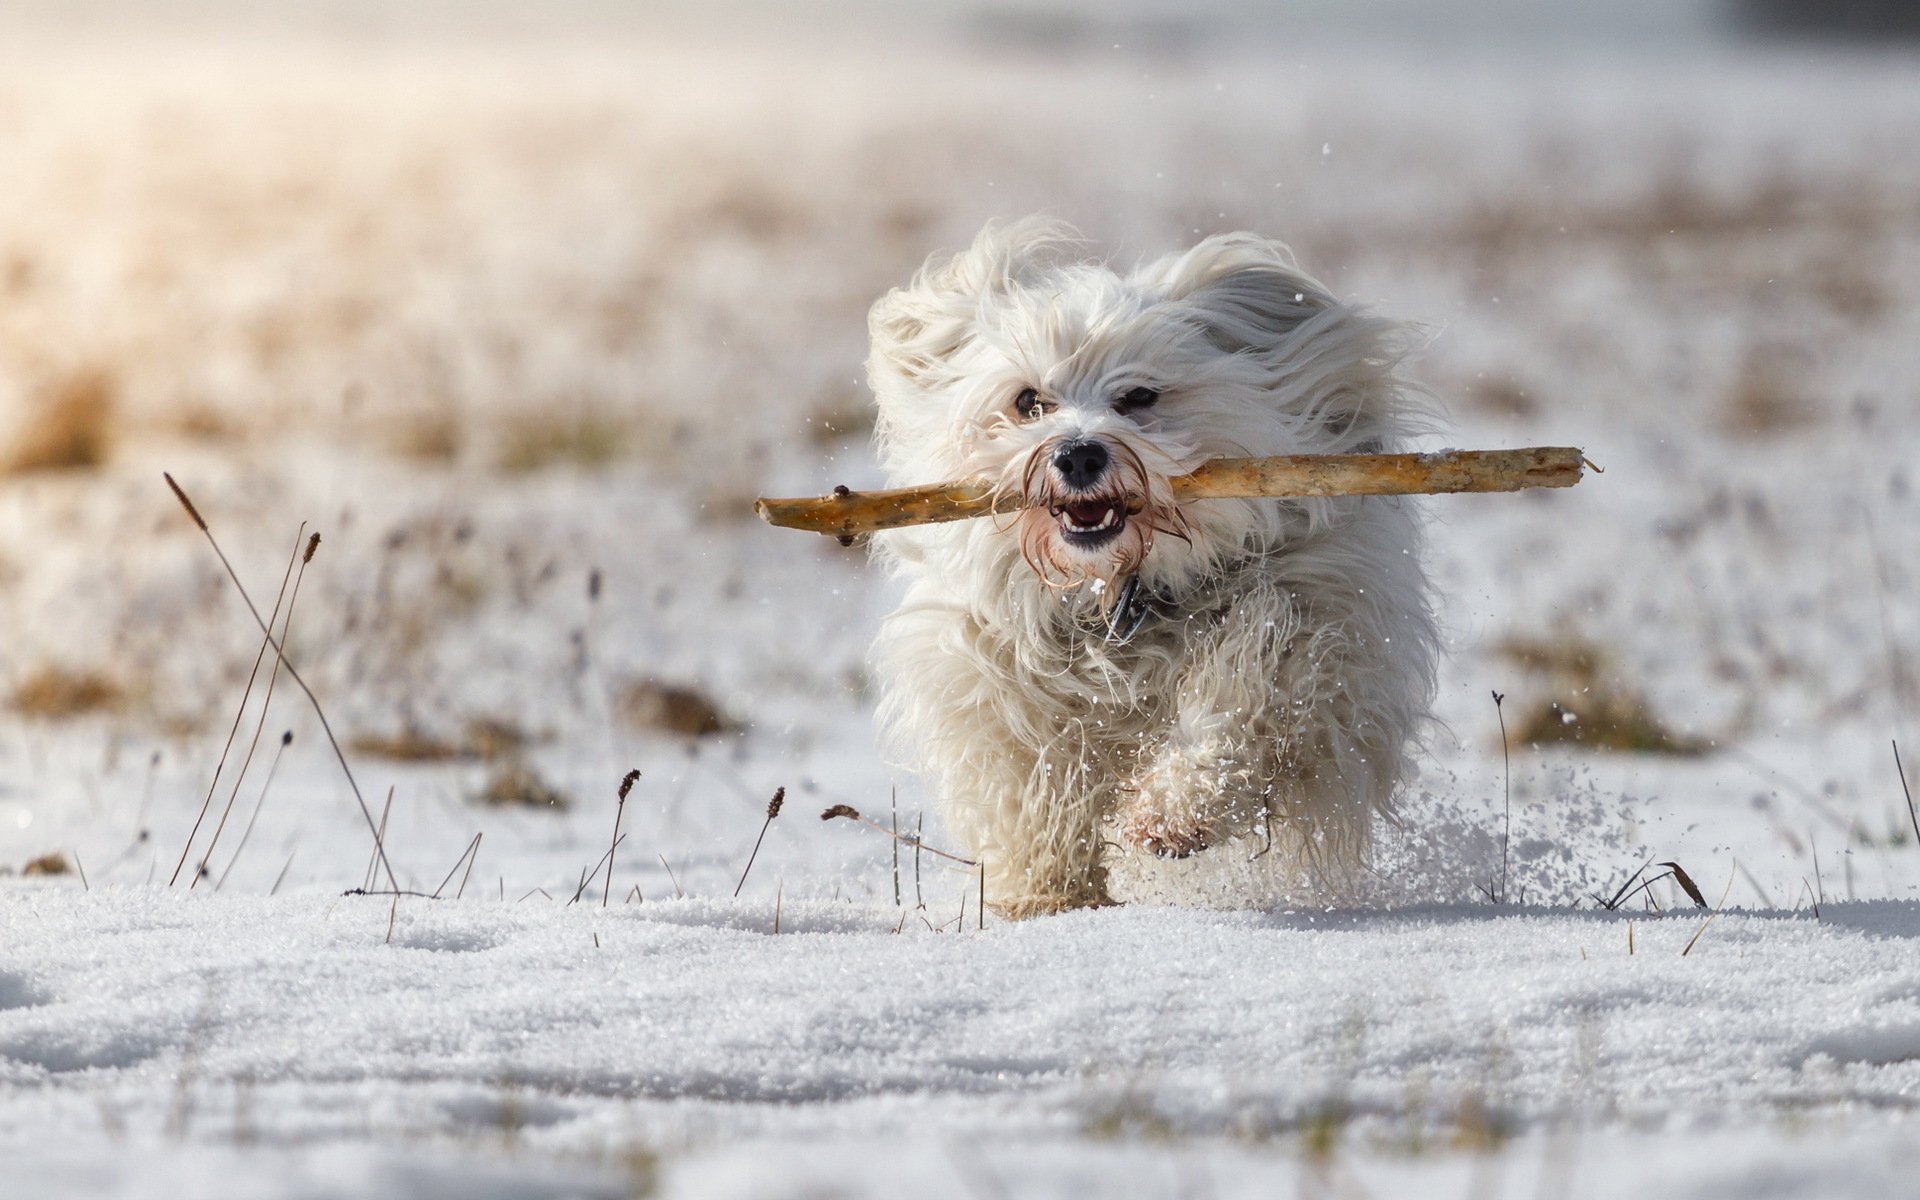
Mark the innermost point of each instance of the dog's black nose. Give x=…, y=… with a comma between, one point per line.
x=1081, y=463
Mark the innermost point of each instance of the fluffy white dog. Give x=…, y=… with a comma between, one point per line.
x=1108, y=670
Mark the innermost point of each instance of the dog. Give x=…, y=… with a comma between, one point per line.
x=1110, y=672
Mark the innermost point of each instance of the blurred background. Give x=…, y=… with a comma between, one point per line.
x=521, y=304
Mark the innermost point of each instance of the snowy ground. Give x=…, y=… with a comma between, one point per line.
x=521, y=321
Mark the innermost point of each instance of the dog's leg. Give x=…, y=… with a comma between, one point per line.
x=1009, y=764
x=1278, y=720
x=1031, y=815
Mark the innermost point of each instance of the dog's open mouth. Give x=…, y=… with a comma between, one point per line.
x=1093, y=522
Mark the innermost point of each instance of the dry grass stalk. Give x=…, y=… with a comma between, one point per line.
x=1901, y=771
x=773, y=810
x=380, y=839
x=266, y=704
x=849, y=812
x=273, y=768
x=468, y=856
x=1686, y=883
x=620, y=810
x=1506, y=774
x=1619, y=897
x=282, y=876
x=1700, y=932
x=293, y=673
x=239, y=713
x=847, y=514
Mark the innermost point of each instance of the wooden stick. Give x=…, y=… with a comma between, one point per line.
x=846, y=514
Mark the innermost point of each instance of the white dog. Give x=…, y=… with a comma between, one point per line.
x=1110, y=666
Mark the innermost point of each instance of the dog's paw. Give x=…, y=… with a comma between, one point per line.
x=1157, y=834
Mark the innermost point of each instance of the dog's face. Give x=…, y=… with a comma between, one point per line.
x=1085, y=393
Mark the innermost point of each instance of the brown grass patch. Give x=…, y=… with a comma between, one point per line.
x=1588, y=703
x=60, y=693
x=486, y=739
x=1768, y=397
x=587, y=440
x=204, y=423
x=493, y=738
x=433, y=436
x=410, y=744
x=1500, y=394
x=72, y=425
x=652, y=704
x=514, y=784
x=48, y=864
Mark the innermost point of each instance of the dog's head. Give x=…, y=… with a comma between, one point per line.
x=1086, y=391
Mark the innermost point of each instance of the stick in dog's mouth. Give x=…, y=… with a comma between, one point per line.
x=850, y=514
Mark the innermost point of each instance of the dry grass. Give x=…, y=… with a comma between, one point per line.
x=514, y=784
x=588, y=440
x=48, y=864
x=486, y=739
x=1588, y=703
x=650, y=704
x=203, y=423
x=1499, y=394
x=1767, y=398
x=411, y=744
x=61, y=693
x=72, y=425
x=432, y=436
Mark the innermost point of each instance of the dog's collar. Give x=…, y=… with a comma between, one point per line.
x=1131, y=610
x=1137, y=603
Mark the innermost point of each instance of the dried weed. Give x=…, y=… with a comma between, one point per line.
x=514, y=784
x=60, y=693
x=655, y=705
x=588, y=440
x=1589, y=703
x=72, y=425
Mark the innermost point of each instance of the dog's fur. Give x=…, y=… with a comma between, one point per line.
x=1286, y=656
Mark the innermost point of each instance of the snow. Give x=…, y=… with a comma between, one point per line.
x=344, y=276
x=177, y=1025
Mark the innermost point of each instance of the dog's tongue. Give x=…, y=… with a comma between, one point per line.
x=1087, y=512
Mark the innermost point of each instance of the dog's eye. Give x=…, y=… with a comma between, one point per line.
x=1028, y=404
x=1136, y=399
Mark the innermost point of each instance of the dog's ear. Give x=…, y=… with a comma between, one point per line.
x=915, y=331
x=1243, y=289
x=1334, y=365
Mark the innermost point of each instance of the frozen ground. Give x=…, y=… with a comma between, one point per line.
x=508, y=319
